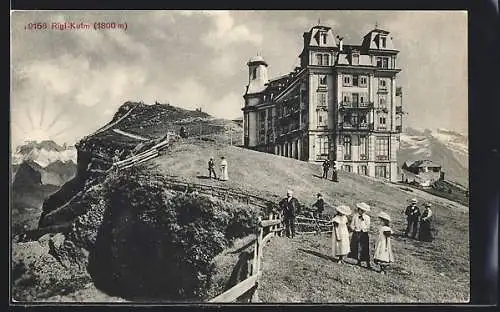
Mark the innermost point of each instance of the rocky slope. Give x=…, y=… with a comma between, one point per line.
x=83, y=226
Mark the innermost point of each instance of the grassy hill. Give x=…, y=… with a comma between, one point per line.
x=293, y=271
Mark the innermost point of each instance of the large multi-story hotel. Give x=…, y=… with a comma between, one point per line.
x=342, y=103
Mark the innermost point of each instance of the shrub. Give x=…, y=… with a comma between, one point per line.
x=155, y=244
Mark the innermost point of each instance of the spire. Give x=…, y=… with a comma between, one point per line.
x=319, y=21
x=376, y=25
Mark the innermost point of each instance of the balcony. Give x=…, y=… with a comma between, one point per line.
x=352, y=126
x=382, y=157
x=363, y=157
x=347, y=157
x=354, y=106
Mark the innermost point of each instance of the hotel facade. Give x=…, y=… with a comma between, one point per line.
x=341, y=103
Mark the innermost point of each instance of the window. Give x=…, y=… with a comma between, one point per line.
x=319, y=59
x=355, y=98
x=254, y=73
x=362, y=119
x=363, y=169
x=321, y=98
x=347, y=168
x=363, y=148
x=382, y=148
x=383, y=62
x=355, y=59
x=323, y=147
x=355, y=80
x=326, y=60
x=382, y=103
x=347, y=97
x=383, y=84
x=382, y=120
x=380, y=171
x=347, y=147
x=323, y=35
x=363, y=81
x=347, y=80
x=382, y=42
x=322, y=80
x=322, y=119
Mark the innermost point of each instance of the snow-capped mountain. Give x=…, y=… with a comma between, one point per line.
x=44, y=153
x=448, y=148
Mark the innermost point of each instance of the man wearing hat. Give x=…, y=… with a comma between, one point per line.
x=289, y=207
x=412, y=213
x=211, y=168
x=360, y=242
x=320, y=206
x=425, y=233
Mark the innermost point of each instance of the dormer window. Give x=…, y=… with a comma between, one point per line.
x=383, y=41
x=355, y=59
x=323, y=38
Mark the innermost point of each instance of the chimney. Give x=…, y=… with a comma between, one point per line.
x=341, y=44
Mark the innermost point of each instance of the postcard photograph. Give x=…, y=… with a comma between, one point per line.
x=213, y=157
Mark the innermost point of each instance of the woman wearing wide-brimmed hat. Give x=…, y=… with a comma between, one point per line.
x=383, y=248
x=360, y=241
x=340, y=233
x=425, y=233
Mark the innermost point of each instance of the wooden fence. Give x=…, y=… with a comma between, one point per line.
x=248, y=288
x=311, y=225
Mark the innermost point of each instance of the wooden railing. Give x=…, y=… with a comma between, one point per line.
x=248, y=288
x=307, y=225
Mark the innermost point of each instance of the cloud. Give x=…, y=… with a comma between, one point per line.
x=227, y=33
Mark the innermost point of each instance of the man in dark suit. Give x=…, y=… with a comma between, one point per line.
x=326, y=168
x=412, y=213
x=289, y=208
x=320, y=206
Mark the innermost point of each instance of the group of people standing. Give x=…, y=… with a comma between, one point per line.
x=326, y=168
x=419, y=222
x=224, y=176
x=357, y=244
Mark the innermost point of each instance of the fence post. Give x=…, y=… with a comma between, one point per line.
x=256, y=248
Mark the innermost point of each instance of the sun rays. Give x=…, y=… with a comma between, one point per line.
x=40, y=122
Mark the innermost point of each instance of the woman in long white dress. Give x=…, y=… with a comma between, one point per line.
x=223, y=170
x=340, y=233
x=383, y=249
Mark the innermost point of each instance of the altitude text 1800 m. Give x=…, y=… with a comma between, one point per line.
x=75, y=26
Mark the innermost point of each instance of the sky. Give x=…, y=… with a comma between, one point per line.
x=65, y=84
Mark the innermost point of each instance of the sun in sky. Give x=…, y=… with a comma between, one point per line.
x=40, y=122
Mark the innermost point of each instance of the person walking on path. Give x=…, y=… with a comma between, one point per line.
x=412, y=213
x=334, y=172
x=211, y=168
x=289, y=207
x=326, y=168
x=320, y=206
x=360, y=240
x=223, y=169
x=425, y=233
x=340, y=233
x=383, y=248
